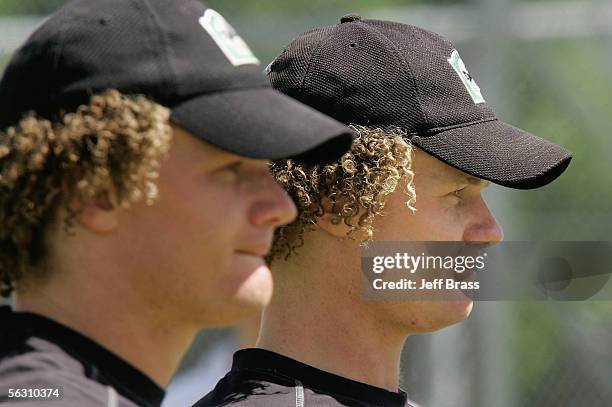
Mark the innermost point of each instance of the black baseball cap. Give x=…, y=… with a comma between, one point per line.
x=383, y=73
x=181, y=54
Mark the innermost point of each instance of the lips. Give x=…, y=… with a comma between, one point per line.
x=255, y=242
x=259, y=251
x=467, y=275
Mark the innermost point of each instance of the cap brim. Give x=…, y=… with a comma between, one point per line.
x=498, y=152
x=264, y=123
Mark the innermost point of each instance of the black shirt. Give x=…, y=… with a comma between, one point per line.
x=35, y=350
x=260, y=378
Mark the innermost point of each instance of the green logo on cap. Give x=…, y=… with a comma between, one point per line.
x=467, y=79
x=226, y=38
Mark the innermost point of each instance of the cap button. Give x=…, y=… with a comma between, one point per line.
x=350, y=18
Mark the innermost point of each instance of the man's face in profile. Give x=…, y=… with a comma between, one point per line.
x=450, y=207
x=199, y=249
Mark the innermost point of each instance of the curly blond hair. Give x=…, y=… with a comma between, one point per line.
x=112, y=145
x=353, y=189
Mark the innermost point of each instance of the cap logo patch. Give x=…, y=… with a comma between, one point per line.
x=268, y=68
x=226, y=38
x=468, y=81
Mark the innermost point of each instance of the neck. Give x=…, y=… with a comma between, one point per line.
x=328, y=330
x=133, y=331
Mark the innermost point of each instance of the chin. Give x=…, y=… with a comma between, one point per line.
x=446, y=313
x=253, y=294
x=251, y=279
x=460, y=310
x=256, y=290
x=246, y=292
x=411, y=317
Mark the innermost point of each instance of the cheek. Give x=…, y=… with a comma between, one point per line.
x=187, y=231
x=439, y=223
x=434, y=220
x=203, y=212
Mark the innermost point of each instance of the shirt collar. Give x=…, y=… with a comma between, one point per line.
x=99, y=363
x=264, y=360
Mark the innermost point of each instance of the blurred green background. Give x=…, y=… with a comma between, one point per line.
x=545, y=66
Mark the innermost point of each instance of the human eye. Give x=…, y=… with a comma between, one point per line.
x=233, y=168
x=457, y=194
x=229, y=172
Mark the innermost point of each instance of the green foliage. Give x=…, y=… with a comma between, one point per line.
x=43, y=7
x=36, y=7
x=307, y=6
x=563, y=95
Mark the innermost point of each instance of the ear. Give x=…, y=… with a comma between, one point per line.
x=99, y=215
x=333, y=225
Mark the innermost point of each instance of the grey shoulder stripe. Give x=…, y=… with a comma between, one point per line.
x=113, y=400
x=299, y=394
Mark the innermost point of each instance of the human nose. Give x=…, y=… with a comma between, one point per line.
x=484, y=227
x=273, y=207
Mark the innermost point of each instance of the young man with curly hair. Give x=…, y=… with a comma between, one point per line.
x=136, y=201
x=427, y=146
